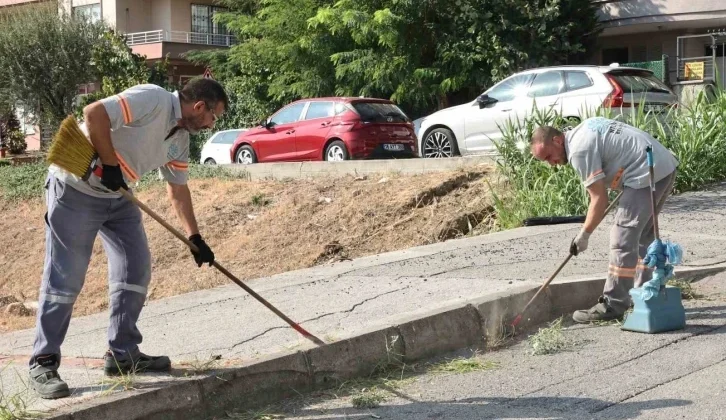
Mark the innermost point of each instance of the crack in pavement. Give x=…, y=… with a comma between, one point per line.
x=348, y=311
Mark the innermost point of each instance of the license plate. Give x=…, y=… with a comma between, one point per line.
x=393, y=147
x=654, y=108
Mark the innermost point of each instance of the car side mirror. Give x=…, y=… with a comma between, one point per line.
x=484, y=100
x=265, y=123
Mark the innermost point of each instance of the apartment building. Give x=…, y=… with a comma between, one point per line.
x=691, y=33
x=161, y=28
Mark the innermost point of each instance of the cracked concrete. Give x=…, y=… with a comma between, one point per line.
x=341, y=299
x=607, y=373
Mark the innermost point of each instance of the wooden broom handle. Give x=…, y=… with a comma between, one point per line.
x=219, y=267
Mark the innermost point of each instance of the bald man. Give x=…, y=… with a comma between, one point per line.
x=609, y=154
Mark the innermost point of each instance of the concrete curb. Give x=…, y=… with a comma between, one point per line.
x=476, y=323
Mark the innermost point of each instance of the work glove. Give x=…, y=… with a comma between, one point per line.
x=579, y=244
x=112, y=178
x=205, y=255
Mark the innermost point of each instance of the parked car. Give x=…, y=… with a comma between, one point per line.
x=216, y=149
x=573, y=91
x=331, y=129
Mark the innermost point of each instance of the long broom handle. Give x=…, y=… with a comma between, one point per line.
x=649, y=153
x=219, y=267
x=552, y=277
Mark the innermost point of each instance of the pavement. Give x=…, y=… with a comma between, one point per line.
x=602, y=372
x=225, y=327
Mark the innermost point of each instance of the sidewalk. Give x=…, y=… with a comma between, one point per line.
x=603, y=373
x=348, y=297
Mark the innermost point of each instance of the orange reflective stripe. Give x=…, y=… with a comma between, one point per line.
x=130, y=174
x=178, y=165
x=125, y=109
x=594, y=174
x=622, y=271
x=616, y=181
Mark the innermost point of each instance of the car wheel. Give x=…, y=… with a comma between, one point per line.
x=246, y=155
x=570, y=123
x=439, y=143
x=210, y=161
x=336, y=152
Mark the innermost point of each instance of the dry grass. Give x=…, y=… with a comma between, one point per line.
x=261, y=228
x=549, y=340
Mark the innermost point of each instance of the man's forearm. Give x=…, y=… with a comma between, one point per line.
x=595, y=212
x=99, y=130
x=181, y=200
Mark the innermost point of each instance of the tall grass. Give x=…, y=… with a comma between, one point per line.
x=695, y=134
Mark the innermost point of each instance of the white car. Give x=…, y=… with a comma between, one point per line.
x=573, y=91
x=216, y=149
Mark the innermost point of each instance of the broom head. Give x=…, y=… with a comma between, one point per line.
x=71, y=150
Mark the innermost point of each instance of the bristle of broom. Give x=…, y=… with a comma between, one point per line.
x=71, y=149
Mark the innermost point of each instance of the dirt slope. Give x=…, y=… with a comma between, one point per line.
x=261, y=228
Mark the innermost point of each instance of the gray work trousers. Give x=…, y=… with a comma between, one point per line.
x=630, y=237
x=73, y=220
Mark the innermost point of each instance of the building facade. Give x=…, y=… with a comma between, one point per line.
x=691, y=33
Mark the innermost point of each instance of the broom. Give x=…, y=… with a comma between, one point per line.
x=72, y=151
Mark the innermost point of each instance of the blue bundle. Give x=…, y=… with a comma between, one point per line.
x=661, y=257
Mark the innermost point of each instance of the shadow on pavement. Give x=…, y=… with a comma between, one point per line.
x=551, y=408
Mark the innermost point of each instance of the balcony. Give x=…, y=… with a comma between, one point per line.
x=161, y=35
x=161, y=43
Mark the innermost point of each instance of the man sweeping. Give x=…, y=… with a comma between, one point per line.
x=609, y=154
x=139, y=130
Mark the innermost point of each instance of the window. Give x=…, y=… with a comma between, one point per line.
x=379, y=112
x=204, y=29
x=511, y=88
x=577, y=80
x=614, y=55
x=637, y=81
x=91, y=12
x=340, y=108
x=319, y=110
x=546, y=84
x=288, y=115
x=226, y=138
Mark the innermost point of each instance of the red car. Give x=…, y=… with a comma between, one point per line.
x=332, y=129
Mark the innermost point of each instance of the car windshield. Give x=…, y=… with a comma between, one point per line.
x=634, y=81
x=379, y=112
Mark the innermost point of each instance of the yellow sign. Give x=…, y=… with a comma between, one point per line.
x=694, y=70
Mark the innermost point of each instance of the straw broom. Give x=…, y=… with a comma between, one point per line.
x=72, y=151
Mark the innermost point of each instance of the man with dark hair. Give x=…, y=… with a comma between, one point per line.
x=139, y=130
x=610, y=154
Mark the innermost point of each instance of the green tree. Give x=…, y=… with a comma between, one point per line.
x=11, y=135
x=44, y=56
x=426, y=52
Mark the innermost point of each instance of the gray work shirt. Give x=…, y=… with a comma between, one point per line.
x=601, y=148
x=141, y=119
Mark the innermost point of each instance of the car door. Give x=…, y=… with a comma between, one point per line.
x=544, y=93
x=221, y=145
x=277, y=141
x=481, y=125
x=313, y=129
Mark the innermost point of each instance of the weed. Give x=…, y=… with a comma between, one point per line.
x=122, y=381
x=549, y=340
x=199, y=366
x=255, y=415
x=368, y=398
x=15, y=406
x=22, y=182
x=464, y=365
x=259, y=200
x=687, y=292
x=196, y=171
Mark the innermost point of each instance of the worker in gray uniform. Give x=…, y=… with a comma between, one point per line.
x=609, y=154
x=139, y=130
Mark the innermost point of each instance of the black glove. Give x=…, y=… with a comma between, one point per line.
x=112, y=178
x=205, y=255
